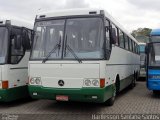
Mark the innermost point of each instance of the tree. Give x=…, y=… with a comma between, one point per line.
x=141, y=32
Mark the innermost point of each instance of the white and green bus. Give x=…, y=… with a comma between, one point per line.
x=81, y=55
x=15, y=44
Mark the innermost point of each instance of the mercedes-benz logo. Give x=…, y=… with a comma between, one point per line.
x=61, y=83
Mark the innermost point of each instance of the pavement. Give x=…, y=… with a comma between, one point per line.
x=137, y=101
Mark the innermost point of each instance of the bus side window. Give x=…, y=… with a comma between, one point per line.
x=131, y=47
x=121, y=39
x=134, y=47
x=17, y=50
x=27, y=40
x=126, y=41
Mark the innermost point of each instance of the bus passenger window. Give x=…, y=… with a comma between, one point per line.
x=129, y=43
x=121, y=39
x=134, y=47
x=17, y=50
x=14, y=51
x=126, y=41
x=131, y=47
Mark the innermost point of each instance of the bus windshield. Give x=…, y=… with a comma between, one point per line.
x=82, y=36
x=155, y=38
x=154, y=54
x=3, y=44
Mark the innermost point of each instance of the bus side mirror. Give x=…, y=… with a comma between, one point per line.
x=113, y=36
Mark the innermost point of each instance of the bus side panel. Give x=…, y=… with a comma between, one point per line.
x=17, y=77
x=109, y=84
x=124, y=64
x=18, y=73
x=153, y=79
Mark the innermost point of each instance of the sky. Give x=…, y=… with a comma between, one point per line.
x=131, y=14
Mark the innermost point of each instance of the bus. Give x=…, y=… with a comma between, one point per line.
x=153, y=61
x=142, y=59
x=15, y=45
x=81, y=55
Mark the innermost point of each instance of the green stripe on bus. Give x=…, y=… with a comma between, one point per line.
x=7, y=95
x=126, y=82
x=83, y=94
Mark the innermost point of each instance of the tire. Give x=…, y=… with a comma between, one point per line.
x=156, y=92
x=111, y=100
x=137, y=76
x=117, y=85
x=133, y=83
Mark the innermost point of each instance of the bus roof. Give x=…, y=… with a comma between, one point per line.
x=155, y=32
x=88, y=11
x=14, y=22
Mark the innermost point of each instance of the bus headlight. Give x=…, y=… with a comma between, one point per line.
x=35, y=81
x=95, y=82
x=38, y=80
x=91, y=82
x=87, y=82
x=32, y=80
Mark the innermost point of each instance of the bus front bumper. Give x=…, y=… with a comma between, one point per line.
x=98, y=95
x=11, y=94
x=153, y=84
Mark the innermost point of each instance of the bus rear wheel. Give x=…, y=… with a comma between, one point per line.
x=133, y=83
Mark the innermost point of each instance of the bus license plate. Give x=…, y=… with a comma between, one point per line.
x=61, y=98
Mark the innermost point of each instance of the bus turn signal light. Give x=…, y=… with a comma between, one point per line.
x=4, y=84
x=102, y=83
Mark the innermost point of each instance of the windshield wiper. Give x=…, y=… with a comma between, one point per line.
x=72, y=52
x=53, y=50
